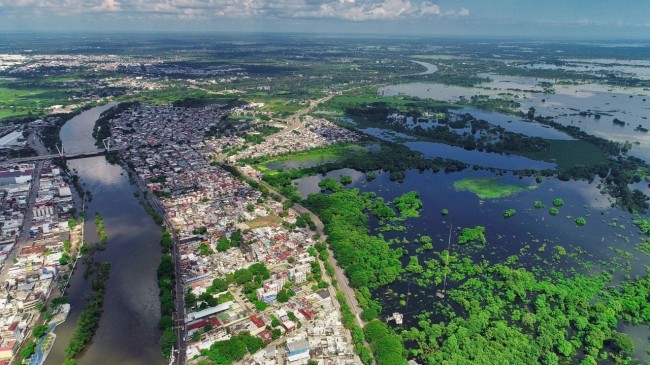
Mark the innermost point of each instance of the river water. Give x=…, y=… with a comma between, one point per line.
x=127, y=333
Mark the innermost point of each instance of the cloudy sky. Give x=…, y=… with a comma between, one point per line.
x=545, y=18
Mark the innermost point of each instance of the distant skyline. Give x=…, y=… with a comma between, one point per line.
x=585, y=19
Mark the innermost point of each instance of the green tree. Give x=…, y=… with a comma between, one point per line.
x=219, y=285
x=223, y=244
x=196, y=336
x=40, y=330
x=261, y=306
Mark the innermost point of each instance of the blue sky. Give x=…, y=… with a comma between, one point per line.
x=537, y=18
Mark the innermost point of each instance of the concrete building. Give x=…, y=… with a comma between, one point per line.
x=297, y=350
x=43, y=210
x=298, y=274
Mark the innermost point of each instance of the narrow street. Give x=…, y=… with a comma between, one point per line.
x=24, y=239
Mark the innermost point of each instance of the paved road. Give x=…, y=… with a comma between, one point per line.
x=344, y=285
x=179, y=314
x=339, y=273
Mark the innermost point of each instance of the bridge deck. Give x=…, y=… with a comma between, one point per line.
x=67, y=156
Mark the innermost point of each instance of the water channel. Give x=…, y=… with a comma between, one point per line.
x=127, y=333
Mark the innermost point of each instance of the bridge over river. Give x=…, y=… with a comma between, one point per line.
x=67, y=156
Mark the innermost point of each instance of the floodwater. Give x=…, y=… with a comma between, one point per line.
x=515, y=124
x=630, y=105
x=531, y=233
x=475, y=157
x=127, y=332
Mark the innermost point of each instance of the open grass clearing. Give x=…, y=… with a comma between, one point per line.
x=265, y=221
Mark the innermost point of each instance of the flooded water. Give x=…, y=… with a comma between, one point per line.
x=127, y=333
x=531, y=233
x=496, y=160
x=515, y=124
x=475, y=157
x=630, y=105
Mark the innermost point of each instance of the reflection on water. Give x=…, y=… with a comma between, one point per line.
x=309, y=185
x=128, y=332
x=640, y=335
x=500, y=161
x=515, y=124
x=76, y=134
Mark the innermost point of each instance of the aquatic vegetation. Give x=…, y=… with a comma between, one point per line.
x=329, y=185
x=502, y=313
x=444, y=211
x=509, y=213
x=644, y=225
x=581, y=221
x=472, y=235
x=553, y=211
x=408, y=205
x=558, y=202
x=538, y=204
x=489, y=188
x=644, y=247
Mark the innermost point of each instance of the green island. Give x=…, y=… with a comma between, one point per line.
x=91, y=314
x=489, y=188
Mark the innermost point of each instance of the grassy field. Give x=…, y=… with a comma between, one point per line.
x=568, y=154
x=176, y=92
x=489, y=188
x=370, y=95
x=19, y=101
x=266, y=221
x=319, y=155
x=8, y=113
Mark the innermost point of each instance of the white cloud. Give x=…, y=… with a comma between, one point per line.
x=429, y=8
x=353, y=10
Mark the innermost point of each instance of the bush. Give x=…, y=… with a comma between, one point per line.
x=369, y=314
x=260, y=306
x=40, y=330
